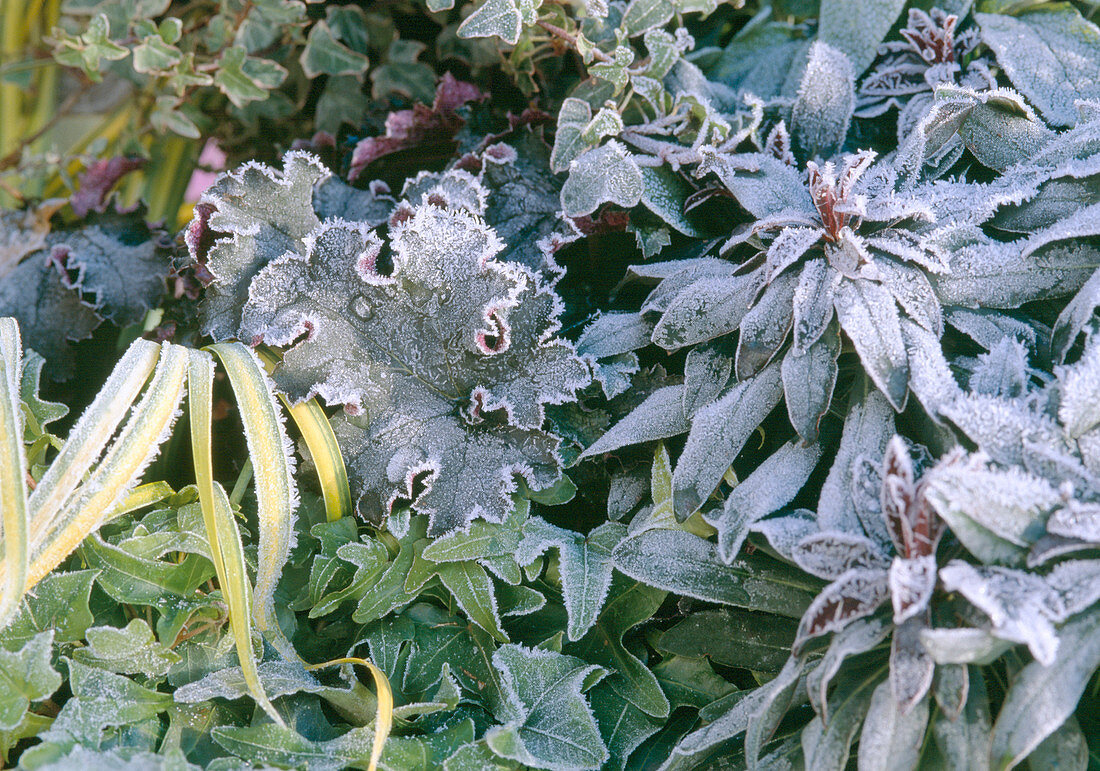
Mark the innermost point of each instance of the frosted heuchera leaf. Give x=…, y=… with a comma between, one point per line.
x=444, y=365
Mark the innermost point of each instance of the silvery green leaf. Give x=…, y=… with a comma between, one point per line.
x=1009, y=503
x=585, y=566
x=464, y=353
x=998, y=426
x=280, y=678
x=29, y=677
x=260, y=214
x=569, y=142
x=827, y=746
x=867, y=428
x=784, y=533
x=502, y=18
x=891, y=738
x=610, y=334
x=130, y=650
x=1058, y=467
x=664, y=193
x=764, y=185
x=624, y=727
x=854, y=594
x=1055, y=200
x=1077, y=586
x=951, y=687
x=676, y=275
x=962, y=645
x=1002, y=372
x=809, y=379
x=858, y=637
x=615, y=373
x=695, y=745
x=858, y=28
x=629, y=488
x=930, y=377
x=1075, y=317
x=913, y=292
x=1051, y=55
x=911, y=668
x=788, y=248
x=771, y=485
x=606, y=174
x=987, y=327
x=678, y=561
x=660, y=416
x=832, y=553
x=718, y=432
x=550, y=724
x=764, y=328
x=1076, y=520
x=869, y=316
x=1065, y=748
x=706, y=309
x=770, y=709
x=995, y=275
x=1079, y=392
x=1042, y=698
x=1001, y=129
x=963, y=740
x=706, y=372
x=1018, y=604
x=826, y=98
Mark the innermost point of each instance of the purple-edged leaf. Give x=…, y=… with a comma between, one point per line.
x=771, y=485
x=899, y=493
x=892, y=737
x=450, y=360
x=764, y=328
x=855, y=594
x=833, y=553
x=809, y=379
x=718, y=432
x=869, y=316
x=912, y=582
x=256, y=214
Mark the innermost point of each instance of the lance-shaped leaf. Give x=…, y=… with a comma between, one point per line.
x=869, y=316
x=1043, y=697
x=856, y=638
x=548, y=722
x=769, y=487
x=858, y=28
x=809, y=378
x=891, y=737
x=446, y=410
x=826, y=99
x=856, y=593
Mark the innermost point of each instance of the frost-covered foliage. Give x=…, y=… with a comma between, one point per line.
x=443, y=361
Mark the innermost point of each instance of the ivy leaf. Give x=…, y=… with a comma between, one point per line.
x=468, y=583
x=59, y=604
x=26, y=676
x=606, y=174
x=584, y=563
x=325, y=54
x=452, y=410
x=549, y=722
x=130, y=650
x=502, y=18
x=622, y=725
x=629, y=604
x=246, y=79
x=1051, y=55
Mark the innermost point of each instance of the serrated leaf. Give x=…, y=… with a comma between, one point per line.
x=1051, y=55
x=59, y=604
x=549, y=722
x=680, y=562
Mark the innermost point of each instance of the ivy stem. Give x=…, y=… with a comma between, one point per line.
x=572, y=40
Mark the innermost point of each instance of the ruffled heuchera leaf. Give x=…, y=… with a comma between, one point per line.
x=445, y=364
